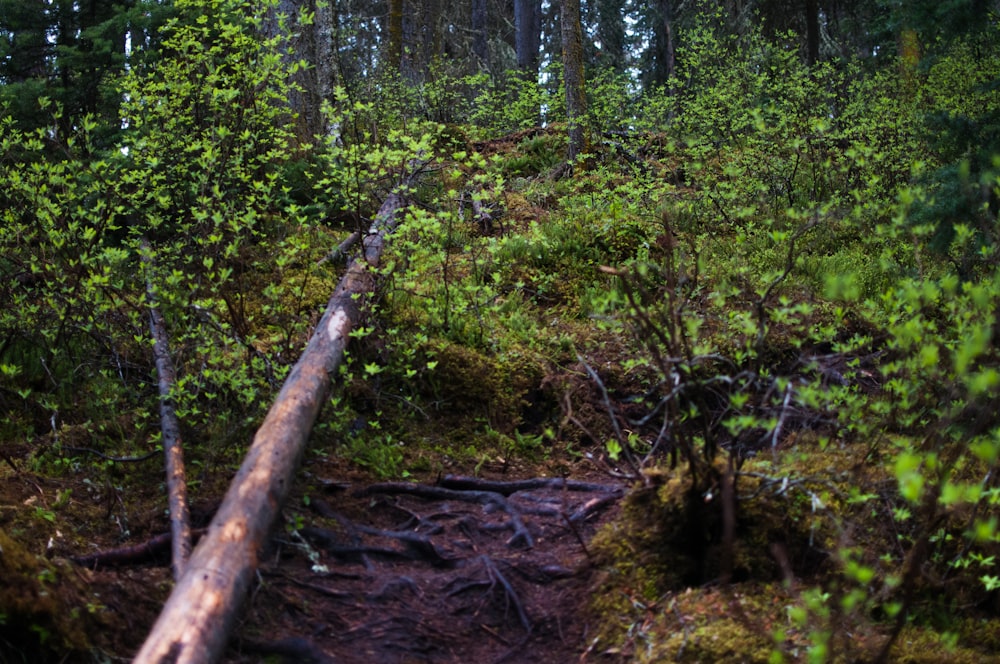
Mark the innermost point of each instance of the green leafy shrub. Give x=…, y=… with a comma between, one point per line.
x=198, y=175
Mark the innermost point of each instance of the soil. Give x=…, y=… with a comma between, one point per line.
x=444, y=570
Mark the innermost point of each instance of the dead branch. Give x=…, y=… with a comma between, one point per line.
x=195, y=623
x=9, y=462
x=484, y=216
x=340, y=252
x=115, y=459
x=623, y=442
x=170, y=428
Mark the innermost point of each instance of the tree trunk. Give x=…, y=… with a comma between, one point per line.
x=812, y=31
x=480, y=39
x=395, y=43
x=527, y=33
x=201, y=611
x=576, y=98
x=669, y=52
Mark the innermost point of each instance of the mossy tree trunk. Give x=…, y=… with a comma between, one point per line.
x=395, y=44
x=576, y=97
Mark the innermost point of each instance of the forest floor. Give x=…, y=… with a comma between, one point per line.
x=508, y=535
x=491, y=569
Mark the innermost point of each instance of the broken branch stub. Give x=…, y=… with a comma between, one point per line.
x=196, y=620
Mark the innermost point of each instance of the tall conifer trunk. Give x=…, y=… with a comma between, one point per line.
x=576, y=98
x=527, y=33
x=395, y=47
x=480, y=40
x=812, y=31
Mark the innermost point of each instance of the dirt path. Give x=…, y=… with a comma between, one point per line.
x=456, y=572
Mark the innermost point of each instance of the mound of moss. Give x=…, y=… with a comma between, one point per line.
x=40, y=615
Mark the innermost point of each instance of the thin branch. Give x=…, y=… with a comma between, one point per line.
x=340, y=252
x=622, y=440
x=116, y=459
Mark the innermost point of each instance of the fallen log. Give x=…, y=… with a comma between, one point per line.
x=196, y=620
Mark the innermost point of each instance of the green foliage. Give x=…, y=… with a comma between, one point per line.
x=511, y=103
x=788, y=295
x=962, y=128
x=756, y=130
x=198, y=176
x=793, y=190
x=72, y=54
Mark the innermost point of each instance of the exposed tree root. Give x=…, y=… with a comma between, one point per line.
x=291, y=649
x=510, y=487
x=134, y=554
x=416, y=547
x=521, y=535
x=466, y=570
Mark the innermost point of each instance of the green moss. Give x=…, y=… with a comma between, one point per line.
x=669, y=538
x=39, y=605
x=918, y=645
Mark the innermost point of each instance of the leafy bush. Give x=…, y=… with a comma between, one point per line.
x=197, y=176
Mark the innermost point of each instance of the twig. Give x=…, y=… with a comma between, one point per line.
x=9, y=462
x=781, y=420
x=622, y=440
x=762, y=317
x=116, y=459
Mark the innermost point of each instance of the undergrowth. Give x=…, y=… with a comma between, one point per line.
x=767, y=313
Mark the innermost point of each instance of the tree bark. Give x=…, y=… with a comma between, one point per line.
x=527, y=33
x=576, y=98
x=669, y=53
x=812, y=31
x=480, y=38
x=395, y=42
x=170, y=430
x=201, y=611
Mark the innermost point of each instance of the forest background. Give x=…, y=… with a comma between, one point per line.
x=760, y=235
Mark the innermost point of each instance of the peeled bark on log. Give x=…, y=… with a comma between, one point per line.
x=200, y=613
